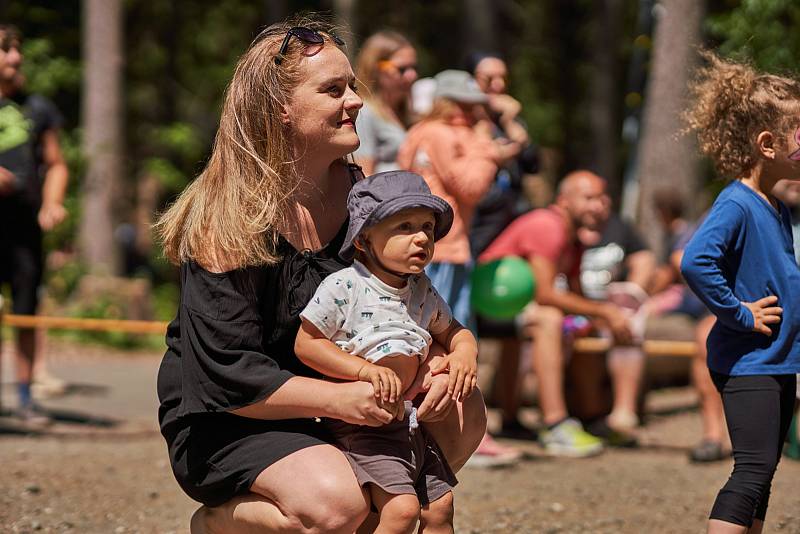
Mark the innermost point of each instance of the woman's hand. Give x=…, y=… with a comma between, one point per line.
x=356, y=404
x=385, y=381
x=463, y=372
x=764, y=313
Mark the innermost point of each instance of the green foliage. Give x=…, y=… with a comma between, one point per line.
x=763, y=31
x=45, y=72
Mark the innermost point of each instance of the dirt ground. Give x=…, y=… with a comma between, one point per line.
x=102, y=468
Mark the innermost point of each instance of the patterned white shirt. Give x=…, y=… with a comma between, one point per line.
x=368, y=318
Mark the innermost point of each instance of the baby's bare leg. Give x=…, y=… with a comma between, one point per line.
x=437, y=517
x=398, y=513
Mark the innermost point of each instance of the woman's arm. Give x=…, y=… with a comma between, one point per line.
x=301, y=397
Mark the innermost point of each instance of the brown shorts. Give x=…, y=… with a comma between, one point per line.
x=395, y=459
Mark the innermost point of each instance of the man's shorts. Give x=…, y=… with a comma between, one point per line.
x=21, y=261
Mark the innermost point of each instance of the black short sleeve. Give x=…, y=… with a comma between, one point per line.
x=223, y=365
x=44, y=113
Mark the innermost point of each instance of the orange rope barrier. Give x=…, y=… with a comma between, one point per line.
x=74, y=323
x=650, y=347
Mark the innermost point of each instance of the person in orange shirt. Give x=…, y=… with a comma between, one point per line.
x=453, y=150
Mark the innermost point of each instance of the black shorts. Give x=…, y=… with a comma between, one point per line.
x=497, y=328
x=21, y=264
x=217, y=456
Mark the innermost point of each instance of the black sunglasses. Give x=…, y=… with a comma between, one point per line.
x=308, y=36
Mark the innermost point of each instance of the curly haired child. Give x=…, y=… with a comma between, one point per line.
x=741, y=264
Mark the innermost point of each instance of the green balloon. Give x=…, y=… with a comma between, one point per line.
x=502, y=288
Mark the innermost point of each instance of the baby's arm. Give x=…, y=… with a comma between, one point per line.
x=321, y=354
x=461, y=361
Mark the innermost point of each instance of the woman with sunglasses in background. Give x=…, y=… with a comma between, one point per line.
x=254, y=234
x=386, y=68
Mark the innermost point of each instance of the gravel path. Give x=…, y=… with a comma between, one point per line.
x=102, y=469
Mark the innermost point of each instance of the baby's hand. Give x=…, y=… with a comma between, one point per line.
x=384, y=381
x=463, y=369
x=764, y=313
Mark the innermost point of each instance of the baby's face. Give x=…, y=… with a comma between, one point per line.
x=404, y=241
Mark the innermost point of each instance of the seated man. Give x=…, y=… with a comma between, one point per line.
x=614, y=252
x=547, y=238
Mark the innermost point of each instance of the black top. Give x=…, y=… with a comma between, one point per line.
x=604, y=262
x=23, y=120
x=232, y=345
x=233, y=337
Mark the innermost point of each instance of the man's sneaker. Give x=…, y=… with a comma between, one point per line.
x=568, y=438
x=45, y=386
x=33, y=416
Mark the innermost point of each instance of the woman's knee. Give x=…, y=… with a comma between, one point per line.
x=334, y=505
x=459, y=435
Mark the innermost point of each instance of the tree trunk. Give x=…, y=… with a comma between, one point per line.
x=478, y=23
x=345, y=11
x=667, y=158
x=603, y=95
x=102, y=131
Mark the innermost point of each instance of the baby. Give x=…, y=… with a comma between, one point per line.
x=375, y=322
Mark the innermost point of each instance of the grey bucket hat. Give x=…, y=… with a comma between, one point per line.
x=460, y=86
x=385, y=194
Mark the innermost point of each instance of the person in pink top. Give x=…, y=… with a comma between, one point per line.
x=547, y=238
x=453, y=150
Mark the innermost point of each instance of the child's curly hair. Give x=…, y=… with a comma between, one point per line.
x=732, y=104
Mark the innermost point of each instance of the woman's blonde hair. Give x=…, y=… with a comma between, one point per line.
x=229, y=214
x=732, y=104
x=379, y=47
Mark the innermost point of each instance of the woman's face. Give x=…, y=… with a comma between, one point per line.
x=323, y=107
x=399, y=72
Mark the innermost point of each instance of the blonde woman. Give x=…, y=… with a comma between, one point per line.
x=386, y=68
x=254, y=235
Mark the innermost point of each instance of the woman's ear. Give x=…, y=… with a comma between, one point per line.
x=766, y=144
x=285, y=116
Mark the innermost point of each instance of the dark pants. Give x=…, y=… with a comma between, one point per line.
x=758, y=410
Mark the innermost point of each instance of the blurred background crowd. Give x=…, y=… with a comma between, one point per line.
x=553, y=128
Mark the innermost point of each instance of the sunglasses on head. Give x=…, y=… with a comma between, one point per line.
x=308, y=36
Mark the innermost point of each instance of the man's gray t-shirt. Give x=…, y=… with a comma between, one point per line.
x=380, y=139
x=368, y=318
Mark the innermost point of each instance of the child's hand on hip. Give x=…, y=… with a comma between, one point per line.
x=764, y=313
x=384, y=381
x=463, y=369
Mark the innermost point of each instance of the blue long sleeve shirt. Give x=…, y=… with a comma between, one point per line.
x=741, y=253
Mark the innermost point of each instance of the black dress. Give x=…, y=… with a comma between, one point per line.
x=231, y=345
